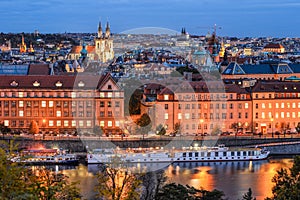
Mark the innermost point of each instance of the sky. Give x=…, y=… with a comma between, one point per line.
x=237, y=18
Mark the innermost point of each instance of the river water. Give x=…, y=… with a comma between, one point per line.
x=233, y=178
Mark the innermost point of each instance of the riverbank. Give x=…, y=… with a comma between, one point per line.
x=82, y=145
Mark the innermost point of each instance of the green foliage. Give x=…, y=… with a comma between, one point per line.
x=33, y=127
x=4, y=129
x=298, y=127
x=177, y=128
x=180, y=192
x=181, y=70
x=160, y=130
x=115, y=184
x=216, y=130
x=248, y=195
x=19, y=182
x=144, y=123
x=287, y=182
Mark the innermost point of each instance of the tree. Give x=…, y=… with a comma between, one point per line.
x=181, y=192
x=115, y=183
x=298, y=127
x=33, y=127
x=160, y=130
x=152, y=182
x=217, y=130
x=4, y=129
x=19, y=182
x=287, y=182
x=177, y=128
x=248, y=195
x=144, y=123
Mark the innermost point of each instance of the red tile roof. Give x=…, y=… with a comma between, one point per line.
x=77, y=49
x=38, y=69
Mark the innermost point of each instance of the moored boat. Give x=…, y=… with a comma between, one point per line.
x=186, y=154
x=45, y=156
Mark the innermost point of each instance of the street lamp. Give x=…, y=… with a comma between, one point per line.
x=272, y=127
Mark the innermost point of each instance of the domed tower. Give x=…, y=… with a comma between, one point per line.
x=100, y=33
x=107, y=31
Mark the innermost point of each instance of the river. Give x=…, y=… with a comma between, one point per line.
x=233, y=178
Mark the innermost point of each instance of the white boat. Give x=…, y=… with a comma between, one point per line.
x=45, y=156
x=186, y=154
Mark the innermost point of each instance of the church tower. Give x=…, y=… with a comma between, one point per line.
x=100, y=33
x=23, y=47
x=104, y=45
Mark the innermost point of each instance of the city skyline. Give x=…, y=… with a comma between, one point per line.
x=235, y=18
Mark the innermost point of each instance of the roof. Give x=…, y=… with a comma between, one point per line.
x=264, y=68
x=38, y=69
x=273, y=46
x=13, y=69
x=51, y=81
x=276, y=86
x=77, y=49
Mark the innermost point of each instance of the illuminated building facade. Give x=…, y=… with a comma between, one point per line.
x=64, y=102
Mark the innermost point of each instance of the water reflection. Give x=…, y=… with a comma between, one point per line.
x=234, y=178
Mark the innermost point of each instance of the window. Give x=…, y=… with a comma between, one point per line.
x=117, y=104
x=51, y=123
x=256, y=105
x=58, y=104
x=246, y=115
x=166, y=97
x=101, y=113
x=256, y=115
x=282, y=115
x=109, y=87
x=179, y=116
x=73, y=123
x=102, y=123
x=263, y=105
x=179, y=106
x=240, y=115
x=21, y=113
x=246, y=105
x=231, y=106
x=102, y=94
x=50, y=104
x=240, y=106
x=109, y=94
x=109, y=123
x=58, y=123
x=187, y=115
x=13, y=104
x=21, y=94
x=101, y=103
x=263, y=115
x=21, y=104
x=109, y=113
x=80, y=123
x=58, y=113
x=117, y=123
x=66, y=123
x=282, y=105
x=187, y=106
x=277, y=105
x=166, y=116
x=88, y=123
x=270, y=105
x=166, y=106
x=109, y=103
x=66, y=104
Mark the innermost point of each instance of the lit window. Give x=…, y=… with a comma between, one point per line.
x=166, y=116
x=187, y=115
x=102, y=123
x=288, y=115
x=43, y=104
x=277, y=105
x=117, y=94
x=246, y=105
x=263, y=115
x=88, y=123
x=263, y=105
x=282, y=115
x=276, y=115
x=109, y=123
x=58, y=113
x=288, y=105
x=50, y=104
x=21, y=104
x=282, y=105
x=58, y=123
x=294, y=105
x=73, y=123
x=6, y=122
x=109, y=94
x=102, y=94
x=21, y=113
x=73, y=94
x=117, y=123
x=293, y=114
x=270, y=105
x=80, y=123
x=51, y=123
x=66, y=123
x=179, y=116
x=166, y=97
x=270, y=114
x=21, y=94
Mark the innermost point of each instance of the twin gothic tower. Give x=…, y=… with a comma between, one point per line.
x=104, y=44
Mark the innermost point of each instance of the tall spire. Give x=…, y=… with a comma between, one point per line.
x=100, y=33
x=107, y=31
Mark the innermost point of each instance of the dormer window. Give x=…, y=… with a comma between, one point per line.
x=14, y=84
x=285, y=87
x=81, y=84
x=36, y=84
x=58, y=84
x=109, y=87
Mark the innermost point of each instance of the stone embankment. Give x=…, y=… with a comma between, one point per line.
x=275, y=145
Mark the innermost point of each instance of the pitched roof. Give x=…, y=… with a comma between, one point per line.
x=38, y=69
x=77, y=49
x=273, y=46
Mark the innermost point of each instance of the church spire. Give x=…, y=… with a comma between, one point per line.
x=100, y=33
x=107, y=31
